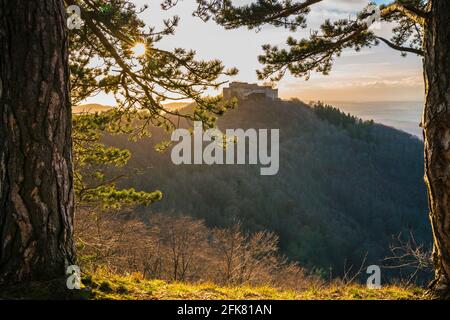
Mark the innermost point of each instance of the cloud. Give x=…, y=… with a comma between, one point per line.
x=353, y=53
x=357, y=88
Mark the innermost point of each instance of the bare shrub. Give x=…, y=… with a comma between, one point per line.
x=254, y=259
x=107, y=239
x=180, y=248
x=184, y=240
x=411, y=259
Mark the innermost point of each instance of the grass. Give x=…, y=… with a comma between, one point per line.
x=104, y=285
x=134, y=287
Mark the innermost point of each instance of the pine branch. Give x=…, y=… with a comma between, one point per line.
x=411, y=12
x=400, y=48
x=288, y=11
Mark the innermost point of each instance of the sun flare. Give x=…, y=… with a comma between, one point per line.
x=139, y=49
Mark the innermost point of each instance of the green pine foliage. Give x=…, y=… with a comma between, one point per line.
x=102, y=61
x=92, y=158
x=356, y=127
x=317, y=52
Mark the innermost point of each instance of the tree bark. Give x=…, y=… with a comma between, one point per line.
x=36, y=179
x=436, y=124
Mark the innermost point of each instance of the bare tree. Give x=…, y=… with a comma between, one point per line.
x=184, y=238
x=351, y=273
x=108, y=239
x=259, y=250
x=229, y=242
x=180, y=248
x=410, y=258
x=245, y=257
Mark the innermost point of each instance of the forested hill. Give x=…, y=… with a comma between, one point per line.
x=341, y=191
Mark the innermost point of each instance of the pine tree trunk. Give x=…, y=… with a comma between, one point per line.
x=36, y=189
x=436, y=124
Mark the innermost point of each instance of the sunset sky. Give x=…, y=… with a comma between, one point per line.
x=377, y=74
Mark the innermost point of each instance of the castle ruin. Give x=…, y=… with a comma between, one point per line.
x=244, y=90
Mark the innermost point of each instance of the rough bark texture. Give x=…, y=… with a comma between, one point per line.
x=36, y=195
x=436, y=124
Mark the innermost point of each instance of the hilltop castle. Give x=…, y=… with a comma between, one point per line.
x=244, y=90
